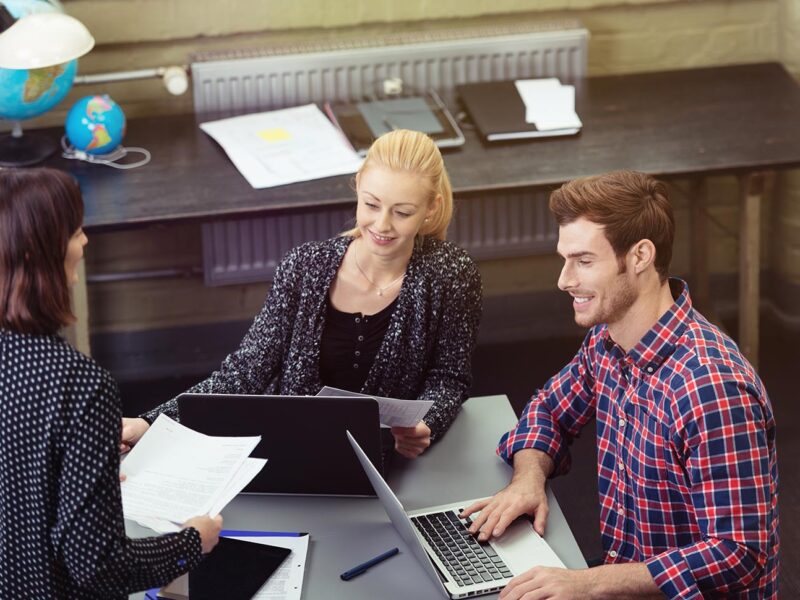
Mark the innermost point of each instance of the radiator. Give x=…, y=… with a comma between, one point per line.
x=490, y=226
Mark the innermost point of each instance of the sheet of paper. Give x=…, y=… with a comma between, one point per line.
x=249, y=469
x=284, y=584
x=284, y=146
x=174, y=473
x=394, y=412
x=548, y=104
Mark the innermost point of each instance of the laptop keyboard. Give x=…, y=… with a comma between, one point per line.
x=467, y=560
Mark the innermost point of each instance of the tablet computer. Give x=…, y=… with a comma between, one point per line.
x=303, y=438
x=363, y=122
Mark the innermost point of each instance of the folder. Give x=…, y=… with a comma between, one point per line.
x=498, y=112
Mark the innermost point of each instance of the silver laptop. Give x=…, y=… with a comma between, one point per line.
x=461, y=566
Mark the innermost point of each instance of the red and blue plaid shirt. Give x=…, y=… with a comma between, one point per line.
x=687, y=467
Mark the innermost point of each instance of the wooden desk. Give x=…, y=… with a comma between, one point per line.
x=741, y=120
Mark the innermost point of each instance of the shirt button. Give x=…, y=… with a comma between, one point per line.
x=358, y=319
x=620, y=510
x=358, y=352
x=355, y=365
x=621, y=422
x=649, y=369
x=361, y=338
x=613, y=554
x=621, y=466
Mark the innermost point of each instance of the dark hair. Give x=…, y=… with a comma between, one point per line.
x=631, y=206
x=40, y=210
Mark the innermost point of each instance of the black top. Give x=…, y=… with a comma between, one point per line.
x=427, y=349
x=62, y=533
x=350, y=342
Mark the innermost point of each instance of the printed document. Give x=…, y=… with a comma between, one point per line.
x=394, y=412
x=284, y=146
x=548, y=104
x=174, y=473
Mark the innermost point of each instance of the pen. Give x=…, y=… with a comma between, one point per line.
x=358, y=570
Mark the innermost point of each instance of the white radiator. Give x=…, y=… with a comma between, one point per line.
x=491, y=226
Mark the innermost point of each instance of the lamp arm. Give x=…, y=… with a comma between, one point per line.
x=175, y=78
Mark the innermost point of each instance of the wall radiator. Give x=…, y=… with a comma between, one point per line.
x=488, y=226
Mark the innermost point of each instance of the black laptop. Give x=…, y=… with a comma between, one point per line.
x=302, y=437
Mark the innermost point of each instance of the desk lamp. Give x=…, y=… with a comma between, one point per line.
x=37, y=69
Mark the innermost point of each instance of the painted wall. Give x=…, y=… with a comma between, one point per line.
x=627, y=36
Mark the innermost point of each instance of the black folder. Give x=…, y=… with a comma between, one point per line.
x=498, y=112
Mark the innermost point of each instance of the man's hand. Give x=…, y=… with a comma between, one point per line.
x=208, y=528
x=412, y=441
x=524, y=495
x=132, y=432
x=551, y=583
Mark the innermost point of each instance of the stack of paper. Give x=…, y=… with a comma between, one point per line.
x=548, y=104
x=284, y=146
x=174, y=473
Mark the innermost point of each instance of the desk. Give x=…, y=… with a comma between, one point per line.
x=346, y=531
x=740, y=120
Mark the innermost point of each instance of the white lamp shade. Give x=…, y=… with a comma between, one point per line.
x=43, y=40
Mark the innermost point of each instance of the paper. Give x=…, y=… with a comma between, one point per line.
x=394, y=412
x=284, y=146
x=174, y=473
x=548, y=104
x=284, y=584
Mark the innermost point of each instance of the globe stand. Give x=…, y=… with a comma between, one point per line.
x=18, y=150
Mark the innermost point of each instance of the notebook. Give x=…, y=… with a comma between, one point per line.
x=498, y=112
x=460, y=565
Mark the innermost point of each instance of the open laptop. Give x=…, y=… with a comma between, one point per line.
x=301, y=436
x=461, y=566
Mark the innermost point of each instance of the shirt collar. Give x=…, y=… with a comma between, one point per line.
x=660, y=341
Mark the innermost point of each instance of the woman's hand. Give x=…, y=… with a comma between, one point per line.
x=132, y=432
x=412, y=441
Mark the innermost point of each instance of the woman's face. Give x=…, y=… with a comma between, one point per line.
x=74, y=255
x=392, y=206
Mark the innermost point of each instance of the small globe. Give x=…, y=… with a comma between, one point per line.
x=25, y=94
x=95, y=124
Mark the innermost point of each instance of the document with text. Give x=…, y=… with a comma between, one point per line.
x=174, y=473
x=394, y=412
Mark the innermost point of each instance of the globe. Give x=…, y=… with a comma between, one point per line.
x=95, y=124
x=25, y=94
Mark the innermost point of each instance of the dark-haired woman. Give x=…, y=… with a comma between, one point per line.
x=61, y=527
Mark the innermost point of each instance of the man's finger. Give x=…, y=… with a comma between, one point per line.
x=540, y=520
x=474, y=507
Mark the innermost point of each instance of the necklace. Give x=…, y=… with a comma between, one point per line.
x=372, y=283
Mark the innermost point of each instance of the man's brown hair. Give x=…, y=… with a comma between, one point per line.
x=40, y=210
x=631, y=206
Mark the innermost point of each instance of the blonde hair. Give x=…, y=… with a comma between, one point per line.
x=415, y=153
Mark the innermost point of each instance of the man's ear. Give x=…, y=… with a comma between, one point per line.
x=642, y=255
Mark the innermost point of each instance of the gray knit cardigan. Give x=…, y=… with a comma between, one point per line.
x=426, y=353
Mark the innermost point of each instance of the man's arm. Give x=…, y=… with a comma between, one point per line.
x=524, y=495
x=610, y=582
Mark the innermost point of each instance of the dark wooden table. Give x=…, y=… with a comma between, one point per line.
x=741, y=120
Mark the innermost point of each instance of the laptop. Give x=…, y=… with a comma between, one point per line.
x=302, y=438
x=498, y=112
x=461, y=566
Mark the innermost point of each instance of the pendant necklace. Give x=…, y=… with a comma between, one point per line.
x=381, y=290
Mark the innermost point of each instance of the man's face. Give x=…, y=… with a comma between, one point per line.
x=592, y=275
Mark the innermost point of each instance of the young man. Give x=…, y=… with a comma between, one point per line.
x=687, y=466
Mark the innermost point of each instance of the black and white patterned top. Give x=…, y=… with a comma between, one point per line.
x=426, y=353
x=62, y=533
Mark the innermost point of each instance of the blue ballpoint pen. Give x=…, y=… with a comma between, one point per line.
x=348, y=575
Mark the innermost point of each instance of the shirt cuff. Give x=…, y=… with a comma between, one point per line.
x=672, y=575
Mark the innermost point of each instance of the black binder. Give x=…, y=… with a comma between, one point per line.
x=498, y=112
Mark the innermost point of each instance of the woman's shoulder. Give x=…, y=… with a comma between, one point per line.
x=444, y=259
x=319, y=254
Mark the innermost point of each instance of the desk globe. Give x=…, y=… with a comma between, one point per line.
x=95, y=124
x=28, y=93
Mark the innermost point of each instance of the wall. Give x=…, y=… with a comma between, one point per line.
x=637, y=35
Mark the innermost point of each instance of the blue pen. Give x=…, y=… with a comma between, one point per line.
x=348, y=575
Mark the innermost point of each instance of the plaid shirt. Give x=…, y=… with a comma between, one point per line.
x=687, y=467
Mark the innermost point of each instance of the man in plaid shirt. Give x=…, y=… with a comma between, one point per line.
x=687, y=466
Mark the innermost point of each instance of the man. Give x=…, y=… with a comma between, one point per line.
x=687, y=466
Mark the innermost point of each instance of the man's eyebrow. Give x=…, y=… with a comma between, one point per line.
x=578, y=254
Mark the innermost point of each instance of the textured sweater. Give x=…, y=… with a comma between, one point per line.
x=426, y=353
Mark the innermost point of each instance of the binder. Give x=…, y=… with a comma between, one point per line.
x=498, y=112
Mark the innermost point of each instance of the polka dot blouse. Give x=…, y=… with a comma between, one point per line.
x=61, y=527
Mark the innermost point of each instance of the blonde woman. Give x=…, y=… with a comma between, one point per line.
x=388, y=308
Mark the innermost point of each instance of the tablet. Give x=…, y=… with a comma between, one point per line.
x=363, y=122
